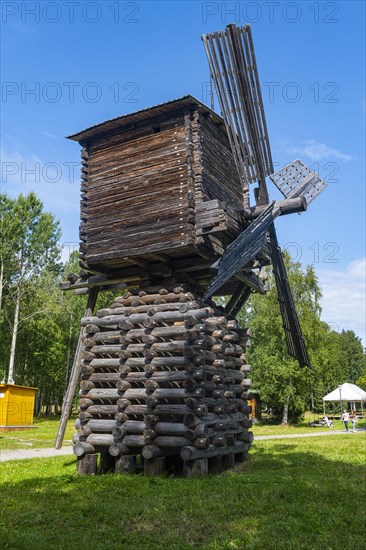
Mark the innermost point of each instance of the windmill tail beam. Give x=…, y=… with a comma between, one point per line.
x=287, y=206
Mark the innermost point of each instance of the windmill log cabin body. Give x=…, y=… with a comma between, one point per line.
x=166, y=215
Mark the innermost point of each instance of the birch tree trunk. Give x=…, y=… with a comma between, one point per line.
x=14, y=337
x=285, y=407
x=1, y=282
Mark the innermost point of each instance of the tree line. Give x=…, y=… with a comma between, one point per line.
x=40, y=325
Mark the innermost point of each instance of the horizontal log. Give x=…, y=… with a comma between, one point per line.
x=175, y=346
x=123, y=385
x=135, y=362
x=101, y=425
x=169, y=361
x=105, y=363
x=153, y=297
x=138, y=410
x=100, y=440
x=84, y=417
x=135, y=441
x=101, y=393
x=102, y=409
x=170, y=393
x=134, y=426
x=85, y=403
x=110, y=336
x=246, y=368
x=246, y=423
x=246, y=436
x=171, y=332
x=110, y=349
x=189, y=316
x=121, y=417
x=83, y=448
x=201, y=442
x=133, y=335
x=83, y=432
x=165, y=441
x=192, y=453
x=91, y=328
x=286, y=206
x=135, y=393
x=219, y=440
x=151, y=419
x=104, y=376
x=86, y=369
x=159, y=376
x=117, y=449
x=118, y=432
x=171, y=428
x=152, y=451
x=170, y=409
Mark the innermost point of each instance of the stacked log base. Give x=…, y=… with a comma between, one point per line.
x=164, y=386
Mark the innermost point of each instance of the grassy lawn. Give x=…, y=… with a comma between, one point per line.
x=265, y=428
x=42, y=435
x=44, y=432
x=303, y=493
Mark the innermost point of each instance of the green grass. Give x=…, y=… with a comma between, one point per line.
x=303, y=493
x=42, y=435
x=265, y=428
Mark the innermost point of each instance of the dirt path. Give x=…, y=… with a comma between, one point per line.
x=315, y=434
x=22, y=454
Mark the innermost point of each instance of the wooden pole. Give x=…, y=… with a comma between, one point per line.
x=75, y=373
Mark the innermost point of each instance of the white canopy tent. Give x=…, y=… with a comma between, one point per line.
x=347, y=393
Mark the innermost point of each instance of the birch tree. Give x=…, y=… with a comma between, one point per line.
x=30, y=245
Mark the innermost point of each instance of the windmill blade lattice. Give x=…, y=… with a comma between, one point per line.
x=242, y=251
x=297, y=180
x=291, y=325
x=234, y=70
x=233, y=67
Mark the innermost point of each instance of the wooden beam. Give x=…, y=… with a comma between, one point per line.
x=287, y=206
x=74, y=377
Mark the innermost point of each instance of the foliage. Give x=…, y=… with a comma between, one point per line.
x=335, y=357
x=291, y=494
x=29, y=248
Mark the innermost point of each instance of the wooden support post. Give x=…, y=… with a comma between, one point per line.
x=228, y=461
x=107, y=463
x=215, y=464
x=74, y=377
x=174, y=465
x=241, y=457
x=154, y=466
x=196, y=468
x=87, y=465
x=125, y=464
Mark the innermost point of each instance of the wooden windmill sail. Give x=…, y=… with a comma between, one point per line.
x=233, y=67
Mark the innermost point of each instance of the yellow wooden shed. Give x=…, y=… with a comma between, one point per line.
x=16, y=407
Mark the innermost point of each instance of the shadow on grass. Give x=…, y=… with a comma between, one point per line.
x=282, y=498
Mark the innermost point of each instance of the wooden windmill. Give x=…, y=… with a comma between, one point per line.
x=166, y=218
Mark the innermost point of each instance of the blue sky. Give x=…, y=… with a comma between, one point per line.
x=69, y=65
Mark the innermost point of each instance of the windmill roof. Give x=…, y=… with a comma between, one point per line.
x=348, y=392
x=144, y=114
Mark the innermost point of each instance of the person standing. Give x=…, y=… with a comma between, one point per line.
x=354, y=419
x=345, y=418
